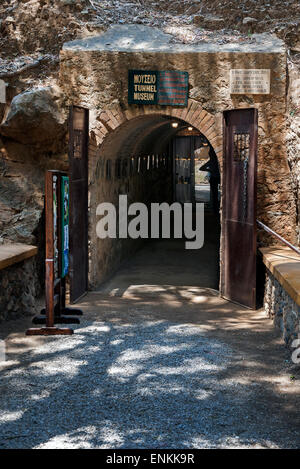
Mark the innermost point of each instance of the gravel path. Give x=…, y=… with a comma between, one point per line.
x=143, y=384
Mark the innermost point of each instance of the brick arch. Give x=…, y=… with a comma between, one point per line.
x=110, y=119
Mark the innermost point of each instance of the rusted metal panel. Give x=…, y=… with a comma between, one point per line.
x=78, y=161
x=239, y=206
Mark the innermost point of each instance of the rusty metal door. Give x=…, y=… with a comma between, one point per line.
x=78, y=161
x=238, y=280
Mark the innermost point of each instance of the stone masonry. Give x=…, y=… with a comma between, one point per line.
x=19, y=287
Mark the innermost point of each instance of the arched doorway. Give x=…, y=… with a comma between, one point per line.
x=135, y=161
x=138, y=158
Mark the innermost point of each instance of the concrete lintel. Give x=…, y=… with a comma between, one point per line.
x=138, y=38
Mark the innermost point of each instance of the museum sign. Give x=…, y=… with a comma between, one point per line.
x=165, y=88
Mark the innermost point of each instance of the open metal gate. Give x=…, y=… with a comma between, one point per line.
x=78, y=162
x=238, y=279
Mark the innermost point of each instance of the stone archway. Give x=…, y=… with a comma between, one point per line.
x=111, y=131
x=111, y=118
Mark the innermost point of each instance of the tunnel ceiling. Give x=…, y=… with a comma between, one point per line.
x=141, y=136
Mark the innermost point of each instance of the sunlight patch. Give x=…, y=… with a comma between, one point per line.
x=190, y=366
x=123, y=371
x=150, y=351
x=116, y=342
x=81, y=438
x=183, y=329
x=6, y=417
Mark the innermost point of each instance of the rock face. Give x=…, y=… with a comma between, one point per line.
x=293, y=130
x=19, y=286
x=34, y=117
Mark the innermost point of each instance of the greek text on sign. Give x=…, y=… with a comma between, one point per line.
x=250, y=81
x=165, y=88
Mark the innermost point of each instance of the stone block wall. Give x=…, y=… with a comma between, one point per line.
x=282, y=309
x=152, y=185
x=19, y=286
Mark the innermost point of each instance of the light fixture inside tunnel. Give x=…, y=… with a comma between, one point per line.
x=190, y=128
x=175, y=125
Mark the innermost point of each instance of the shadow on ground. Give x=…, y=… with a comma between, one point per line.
x=158, y=361
x=147, y=383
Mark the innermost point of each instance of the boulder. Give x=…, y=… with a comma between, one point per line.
x=35, y=117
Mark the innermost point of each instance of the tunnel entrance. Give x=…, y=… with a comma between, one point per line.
x=152, y=159
x=129, y=141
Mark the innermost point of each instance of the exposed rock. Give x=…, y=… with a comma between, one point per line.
x=209, y=21
x=248, y=20
x=34, y=117
x=198, y=19
x=296, y=47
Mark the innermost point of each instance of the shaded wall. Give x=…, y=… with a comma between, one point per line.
x=133, y=161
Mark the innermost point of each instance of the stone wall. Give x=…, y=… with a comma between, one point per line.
x=19, y=286
x=282, y=309
x=98, y=79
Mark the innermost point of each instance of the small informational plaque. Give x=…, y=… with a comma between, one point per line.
x=250, y=81
x=2, y=92
x=165, y=88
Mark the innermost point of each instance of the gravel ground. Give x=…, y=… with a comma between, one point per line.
x=141, y=384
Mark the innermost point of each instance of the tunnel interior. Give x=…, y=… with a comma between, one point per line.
x=153, y=159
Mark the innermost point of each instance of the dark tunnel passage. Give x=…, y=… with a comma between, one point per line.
x=154, y=159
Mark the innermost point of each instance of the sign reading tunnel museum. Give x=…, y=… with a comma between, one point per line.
x=250, y=81
x=165, y=88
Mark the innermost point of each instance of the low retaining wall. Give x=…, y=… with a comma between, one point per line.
x=19, y=281
x=19, y=286
x=282, y=291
